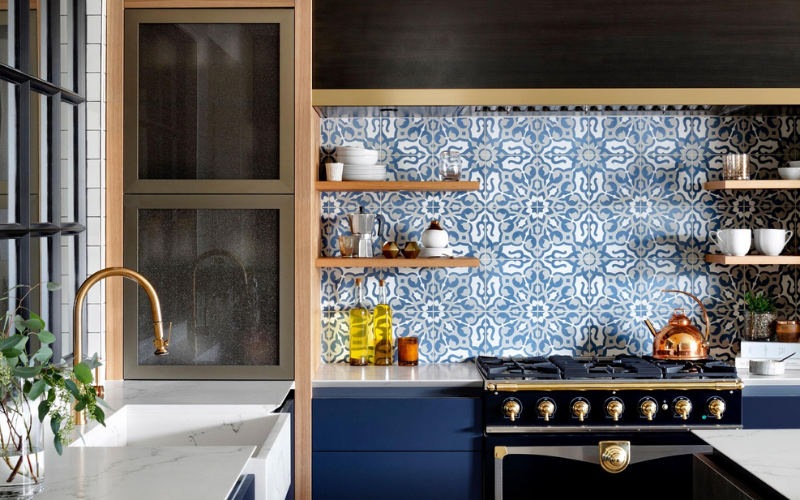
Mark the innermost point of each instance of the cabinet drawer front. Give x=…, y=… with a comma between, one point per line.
x=397, y=424
x=404, y=475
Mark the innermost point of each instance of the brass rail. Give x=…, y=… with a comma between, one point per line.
x=714, y=385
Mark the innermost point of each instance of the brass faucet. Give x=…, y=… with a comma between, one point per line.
x=77, y=327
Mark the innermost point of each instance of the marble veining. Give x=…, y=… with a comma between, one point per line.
x=128, y=473
x=770, y=455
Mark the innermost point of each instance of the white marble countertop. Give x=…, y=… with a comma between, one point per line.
x=770, y=455
x=217, y=392
x=158, y=473
x=790, y=377
x=423, y=375
x=128, y=473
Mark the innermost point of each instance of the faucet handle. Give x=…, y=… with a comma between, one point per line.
x=169, y=334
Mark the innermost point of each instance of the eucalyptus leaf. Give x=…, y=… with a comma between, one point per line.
x=12, y=341
x=46, y=337
x=57, y=445
x=27, y=371
x=55, y=424
x=34, y=324
x=19, y=323
x=11, y=353
x=44, y=408
x=43, y=354
x=102, y=402
x=71, y=387
x=37, y=389
x=80, y=406
x=99, y=415
x=83, y=373
x=51, y=286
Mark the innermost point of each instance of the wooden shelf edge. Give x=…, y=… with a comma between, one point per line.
x=752, y=184
x=398, y=186
x=753, y=260
x=399, y=262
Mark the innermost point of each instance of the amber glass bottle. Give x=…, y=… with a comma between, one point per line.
x=359, y=328
x=382, y=328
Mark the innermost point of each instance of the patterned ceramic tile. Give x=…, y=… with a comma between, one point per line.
x=580, y=222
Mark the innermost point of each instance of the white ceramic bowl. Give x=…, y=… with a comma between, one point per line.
x=358, y=160
x=794, y=164
x=767, y=367
x=434, y=238
x=790, y=173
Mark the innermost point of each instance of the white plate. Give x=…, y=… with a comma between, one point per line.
x=354, y=149
x=358, y=160
x=427, y=253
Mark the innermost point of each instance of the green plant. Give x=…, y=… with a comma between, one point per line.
x=26, y=377
x=759, y=303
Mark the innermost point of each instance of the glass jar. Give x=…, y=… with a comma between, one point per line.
x=758, y=326
x=450, y=165
x=21, y=447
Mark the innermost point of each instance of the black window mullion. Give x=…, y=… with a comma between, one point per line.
x=79, y=57
x=53, y=41
x=23, y=36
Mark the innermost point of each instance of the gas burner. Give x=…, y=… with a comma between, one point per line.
x=703, y=368
x=530, y=368
x=620, y=367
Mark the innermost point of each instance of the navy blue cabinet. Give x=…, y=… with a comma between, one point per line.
x=245, y=488
x=399, y=447
x=397, y=475
x=771, y=411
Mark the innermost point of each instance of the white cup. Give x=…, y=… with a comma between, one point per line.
x=334, y=171
x=772, y=241
x=733, y=241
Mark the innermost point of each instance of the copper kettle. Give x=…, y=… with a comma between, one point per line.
x=680, y=339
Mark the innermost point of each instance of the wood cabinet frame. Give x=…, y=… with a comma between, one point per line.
x=307, y=206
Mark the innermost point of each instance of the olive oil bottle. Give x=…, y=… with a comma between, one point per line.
x=359, y=328
x=382, y=328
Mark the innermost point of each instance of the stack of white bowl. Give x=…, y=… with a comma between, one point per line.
x=360, y=164
x=792, y=172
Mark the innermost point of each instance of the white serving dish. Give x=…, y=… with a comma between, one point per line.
x=154, y=426
x=358, y=160
x=354, y=150
x=767, y=367
x=794, y=164
x=790, y=173
x=428, y=253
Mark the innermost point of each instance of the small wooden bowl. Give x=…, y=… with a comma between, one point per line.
x=787, y=331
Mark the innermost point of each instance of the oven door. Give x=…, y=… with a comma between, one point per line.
x=629, y=465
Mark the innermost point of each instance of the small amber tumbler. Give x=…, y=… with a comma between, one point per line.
x=408, y=351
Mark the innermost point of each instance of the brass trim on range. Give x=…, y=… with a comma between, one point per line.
x=713, y=385
x=554, y=97
x=500, y=452
x=614, y=456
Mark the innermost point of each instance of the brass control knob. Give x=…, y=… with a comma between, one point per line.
x=716, y=407
x=580, y=409
x=648, y=408
x=614, y=409
x=511, y=409
x=683, y=407
x=614, y=458
x=546, y=409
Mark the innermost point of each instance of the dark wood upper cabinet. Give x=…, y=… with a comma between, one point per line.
x=457, y=44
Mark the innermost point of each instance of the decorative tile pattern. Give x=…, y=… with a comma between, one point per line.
x=580, y=223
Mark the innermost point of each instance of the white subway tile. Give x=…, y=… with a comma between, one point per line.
x=93, y=202
x=93, y=117
x=93, y=62
x=94, y=82
x=94, y=176
x=93, y=144
x=94, y=231
x=94, y=30
x=94, y=7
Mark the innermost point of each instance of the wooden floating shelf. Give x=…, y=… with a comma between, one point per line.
x=752, y=260
x=398, y=262
x=398, y=186
x=752, y=184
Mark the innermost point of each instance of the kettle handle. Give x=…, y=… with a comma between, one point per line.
x=705, y=314
x=379, y=220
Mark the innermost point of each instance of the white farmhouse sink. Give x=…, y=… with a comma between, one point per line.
x=154, y=426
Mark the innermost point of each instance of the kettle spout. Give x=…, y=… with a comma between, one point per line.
x=650, y=327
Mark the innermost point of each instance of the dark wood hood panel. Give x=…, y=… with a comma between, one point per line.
x=417, y=44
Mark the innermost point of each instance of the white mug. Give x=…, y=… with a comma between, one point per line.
x=733, y=241
x=334, y=171
x=772, y=241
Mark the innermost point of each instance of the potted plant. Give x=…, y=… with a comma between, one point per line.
x=33, y=389
x=759, y=316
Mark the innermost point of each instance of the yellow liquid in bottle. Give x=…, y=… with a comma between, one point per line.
x=382, y=327
x=359, y=337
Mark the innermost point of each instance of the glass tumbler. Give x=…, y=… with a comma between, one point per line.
x=450, y=166
x=408, y=351
x=736, y=167
x=346, y=245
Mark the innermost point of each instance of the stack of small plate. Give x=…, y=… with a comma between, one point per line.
x=360, y=164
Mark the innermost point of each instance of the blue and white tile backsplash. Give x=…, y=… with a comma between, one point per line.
x=580, y=222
